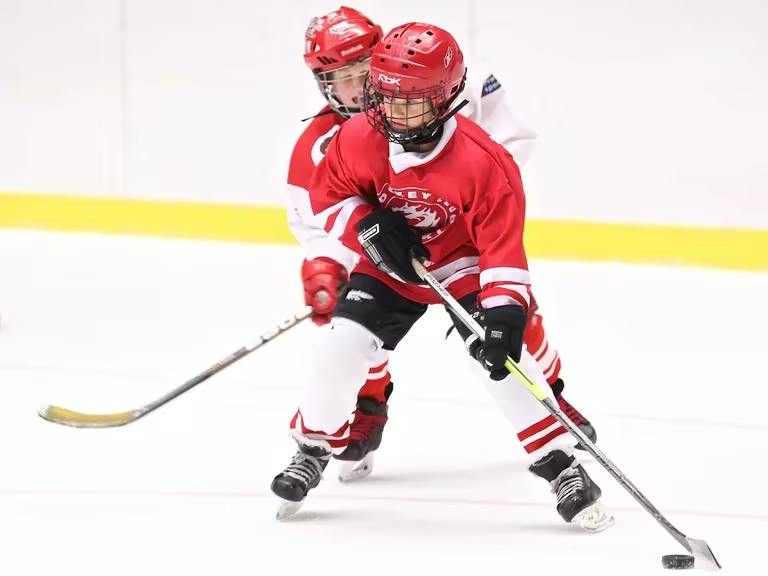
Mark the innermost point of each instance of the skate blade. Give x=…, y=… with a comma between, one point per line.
x=594, y=518
x=355, y=471
x=288, y=508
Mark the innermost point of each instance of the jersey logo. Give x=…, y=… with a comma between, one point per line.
x=490, y=86
x=419, y=217
x=424, y=210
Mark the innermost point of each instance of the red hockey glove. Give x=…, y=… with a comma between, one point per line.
x=323, y=278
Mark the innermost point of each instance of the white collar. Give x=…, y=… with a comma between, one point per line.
x=401, y=160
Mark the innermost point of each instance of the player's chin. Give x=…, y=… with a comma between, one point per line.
x=399, y=126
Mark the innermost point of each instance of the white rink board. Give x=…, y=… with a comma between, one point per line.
x=648, y=112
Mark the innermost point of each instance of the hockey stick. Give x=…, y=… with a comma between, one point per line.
x=66, y=417
x=698, y=548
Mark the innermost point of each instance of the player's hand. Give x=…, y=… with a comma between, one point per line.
x=504, y=330
x=390, y=243
x=323, y=279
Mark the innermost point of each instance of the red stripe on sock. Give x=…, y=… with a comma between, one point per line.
x=378, y=368
x=540, y=426
x=338, y=439
x=544, y=440
x=552, y=378
x=376, y=388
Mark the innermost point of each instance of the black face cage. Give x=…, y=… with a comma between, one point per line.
x=417, y=105
x=329, y=88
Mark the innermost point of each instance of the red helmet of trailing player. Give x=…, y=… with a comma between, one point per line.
x=334, y=43
x=417, y=72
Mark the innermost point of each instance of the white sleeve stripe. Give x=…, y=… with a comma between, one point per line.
x=340, y=225
x=505, y=275
x=521, y=288
x=445, y=272
x=521, y=291
x=496, y=301
x=460, y=274
x=300, y=216
x=345, y=209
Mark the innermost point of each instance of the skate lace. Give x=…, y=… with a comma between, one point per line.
x=364, y=426
x=573, y=415
x=568, y=483
x=304, y=467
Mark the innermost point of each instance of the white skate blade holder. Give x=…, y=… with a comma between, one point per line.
x=594, y=518
x=288, y=508
x=354, y=471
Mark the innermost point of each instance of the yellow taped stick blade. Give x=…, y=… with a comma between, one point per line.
x=66, y=417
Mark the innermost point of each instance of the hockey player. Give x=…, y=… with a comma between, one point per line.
x=409, y=153
x=338, y=48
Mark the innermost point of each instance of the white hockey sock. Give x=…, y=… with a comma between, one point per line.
x=338, y=370
x=537, y=429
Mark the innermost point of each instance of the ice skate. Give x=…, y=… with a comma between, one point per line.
x=574, y=415
x=302, y=475
x=578, y=496
x=353, y=471
x=365, y=435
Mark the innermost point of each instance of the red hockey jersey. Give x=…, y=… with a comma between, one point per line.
x=465, y=198
x=489, y=106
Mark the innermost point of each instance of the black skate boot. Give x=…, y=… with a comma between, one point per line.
x=578, y=497
x=573, y=415
x=365, y=436
x=303, y=473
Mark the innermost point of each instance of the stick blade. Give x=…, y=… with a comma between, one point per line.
x=702, y=553
x=65, y=417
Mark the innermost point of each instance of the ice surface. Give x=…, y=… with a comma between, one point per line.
x=668, y=363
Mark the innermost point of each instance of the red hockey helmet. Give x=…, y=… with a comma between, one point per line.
x=337, y=49
x=417, y=72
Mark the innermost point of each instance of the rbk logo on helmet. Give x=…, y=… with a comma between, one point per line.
x=384, y=79
x=420, y=63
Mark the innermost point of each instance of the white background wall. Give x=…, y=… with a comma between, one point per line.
x=648, y=110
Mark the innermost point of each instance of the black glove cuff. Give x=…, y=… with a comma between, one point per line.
x=513, y=316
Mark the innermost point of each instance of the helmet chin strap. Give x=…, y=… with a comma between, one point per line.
x=323, y=113
x=438, y=132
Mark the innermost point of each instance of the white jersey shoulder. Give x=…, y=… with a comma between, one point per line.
x=307, y=154
x=491, y=108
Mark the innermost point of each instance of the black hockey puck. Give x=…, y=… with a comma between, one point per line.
x=677, y=561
